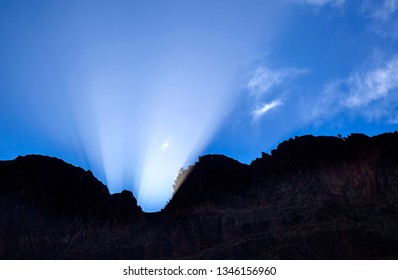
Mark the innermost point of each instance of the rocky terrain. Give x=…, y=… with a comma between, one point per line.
x=311, y=198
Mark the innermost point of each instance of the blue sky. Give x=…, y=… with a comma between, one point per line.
x=133, y=90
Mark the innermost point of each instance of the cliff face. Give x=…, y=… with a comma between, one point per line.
x=312, y=198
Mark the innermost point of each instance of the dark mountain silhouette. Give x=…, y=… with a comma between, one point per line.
x=312, y=198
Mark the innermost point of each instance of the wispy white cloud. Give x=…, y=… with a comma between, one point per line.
x=381, y=10
x=266, y=108
x=265, y=79
x=320, y=3
x=372, y=94
x=373, y=85
x=383, y=15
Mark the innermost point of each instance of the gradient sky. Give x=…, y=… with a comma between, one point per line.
x=134, y=90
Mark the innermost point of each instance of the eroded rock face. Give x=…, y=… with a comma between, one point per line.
x=312, y=198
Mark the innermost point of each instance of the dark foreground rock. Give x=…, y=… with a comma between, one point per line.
x=312, y=198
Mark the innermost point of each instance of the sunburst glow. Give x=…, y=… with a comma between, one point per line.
x=130, y=89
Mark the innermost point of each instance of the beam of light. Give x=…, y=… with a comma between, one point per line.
x=144, y=141
x=130, y=90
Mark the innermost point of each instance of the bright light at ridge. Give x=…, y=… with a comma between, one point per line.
x=145, y=145
x=133, y=91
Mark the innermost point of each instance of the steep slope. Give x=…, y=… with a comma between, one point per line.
x=47, y=207
x=311, y=198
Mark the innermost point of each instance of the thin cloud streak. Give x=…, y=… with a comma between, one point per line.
x=266, y=108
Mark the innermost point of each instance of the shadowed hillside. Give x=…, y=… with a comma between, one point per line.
x=311, y=198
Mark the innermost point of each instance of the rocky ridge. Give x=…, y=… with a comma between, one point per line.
x=311, y=198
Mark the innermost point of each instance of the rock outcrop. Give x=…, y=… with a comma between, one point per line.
x=311, y=198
